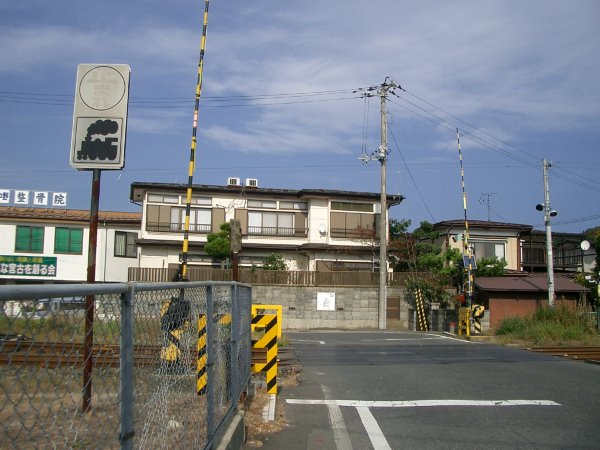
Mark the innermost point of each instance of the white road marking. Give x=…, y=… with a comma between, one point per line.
x=421, y=403
x=309, y=341
x=373, y=430
x=340, y=433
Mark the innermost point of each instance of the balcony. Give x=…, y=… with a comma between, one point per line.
x=353, y=233
x=163, y=227
x=277, y=231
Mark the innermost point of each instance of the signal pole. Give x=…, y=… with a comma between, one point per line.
x=381, y=156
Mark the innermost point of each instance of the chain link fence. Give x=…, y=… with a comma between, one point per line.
x=136, y=365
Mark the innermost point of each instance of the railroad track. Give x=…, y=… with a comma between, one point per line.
x=576, y=353
x=67, y=354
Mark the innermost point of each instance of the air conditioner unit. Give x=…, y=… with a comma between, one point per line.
x=233, y=181
x=251, y=182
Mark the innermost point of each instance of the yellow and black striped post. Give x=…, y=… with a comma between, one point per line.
x=268, y=323
x=477, y=313
x=421, y=310
x=201, y=375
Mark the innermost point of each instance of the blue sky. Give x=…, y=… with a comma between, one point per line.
x=520, y=79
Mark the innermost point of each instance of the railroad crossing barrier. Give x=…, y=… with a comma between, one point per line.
x=270, y=325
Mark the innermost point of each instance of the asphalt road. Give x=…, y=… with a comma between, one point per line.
x=386, y=390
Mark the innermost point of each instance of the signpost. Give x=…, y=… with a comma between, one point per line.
x=97, y=142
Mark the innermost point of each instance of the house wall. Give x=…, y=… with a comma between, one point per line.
x=70, y=267
x=505, y=305
x=512, y=245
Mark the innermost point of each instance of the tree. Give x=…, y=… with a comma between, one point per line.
x=490, y=267
x=274, y=262
x=217, y=244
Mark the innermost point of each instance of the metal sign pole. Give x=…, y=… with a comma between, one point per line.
x=89, y=299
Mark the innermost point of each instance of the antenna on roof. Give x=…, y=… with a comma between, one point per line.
x=487, y=198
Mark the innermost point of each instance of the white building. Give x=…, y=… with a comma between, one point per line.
x=313, y=229
x=51, y=245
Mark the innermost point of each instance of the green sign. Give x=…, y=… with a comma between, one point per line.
x=28, y=266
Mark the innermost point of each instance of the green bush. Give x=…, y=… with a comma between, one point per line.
x=547, y=326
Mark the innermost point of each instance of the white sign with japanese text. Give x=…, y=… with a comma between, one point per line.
x=325, y=301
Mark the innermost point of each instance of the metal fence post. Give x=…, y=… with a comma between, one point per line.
x=235, y=347
x=210, y=363
x=126, y=380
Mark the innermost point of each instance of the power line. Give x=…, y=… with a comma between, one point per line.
x=411, y=177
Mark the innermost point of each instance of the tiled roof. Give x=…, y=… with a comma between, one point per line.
x=482, y=224
x=299, y=193
x=526, y=283
x=68, y=215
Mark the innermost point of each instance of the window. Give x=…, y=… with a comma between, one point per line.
x=271, y=204
x=165, y=218
x=29, y=239
x=125, y=245
x=200, y=220
x=157, y=198
x=293, y=205
x=349, y=206
x=353, y=225
x=274, y=224
x=68, y=240
x=489, y=250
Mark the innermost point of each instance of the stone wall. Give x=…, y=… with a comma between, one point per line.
x=355, y=307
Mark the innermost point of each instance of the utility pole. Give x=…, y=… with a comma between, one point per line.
x=381, y=156
x=547, y=214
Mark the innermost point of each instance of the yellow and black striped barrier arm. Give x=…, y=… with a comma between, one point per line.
x=186, y=226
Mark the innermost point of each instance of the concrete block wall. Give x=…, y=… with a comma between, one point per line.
x=355, y=308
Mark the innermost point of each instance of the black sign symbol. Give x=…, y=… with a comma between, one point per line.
x=100, y=148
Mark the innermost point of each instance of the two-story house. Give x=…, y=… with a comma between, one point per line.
x=313, y=229
x=40, y=245
x=487, y=239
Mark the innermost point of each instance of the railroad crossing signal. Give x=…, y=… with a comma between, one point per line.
x=100, y=116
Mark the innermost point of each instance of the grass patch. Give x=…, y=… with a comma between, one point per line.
x=552, y=326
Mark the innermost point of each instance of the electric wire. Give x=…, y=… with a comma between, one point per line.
x=411, y=177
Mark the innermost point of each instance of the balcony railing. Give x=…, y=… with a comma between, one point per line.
x=277, y=231
x=353, y=233
x=164, y=227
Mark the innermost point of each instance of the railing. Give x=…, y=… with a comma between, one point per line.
x=279, y=277
x=352, y=233
x=45, y=360
x=165, y=227
x=277, y=231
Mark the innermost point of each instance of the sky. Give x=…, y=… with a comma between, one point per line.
x=283, y=100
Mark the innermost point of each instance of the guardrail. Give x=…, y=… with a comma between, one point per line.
x=61, y=390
